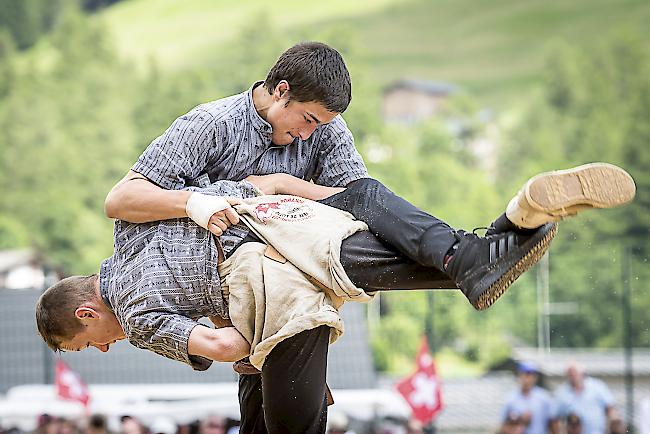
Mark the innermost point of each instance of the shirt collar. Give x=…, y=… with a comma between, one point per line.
x=104, y=280
x=257, y=121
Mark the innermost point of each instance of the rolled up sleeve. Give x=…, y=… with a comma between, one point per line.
x=167, y=335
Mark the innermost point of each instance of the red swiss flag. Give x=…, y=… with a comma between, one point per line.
x=422, y=388
x=69, y=384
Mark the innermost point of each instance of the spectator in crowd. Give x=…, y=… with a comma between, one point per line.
x=587, y=398
x=617, y=426
x=213, y=424
x=188, y=428
x=573, y=424
x=530, y=403
x=131, y=425
x=97, y=425
x=67, y=426
x=48, y=424
x=512, y=424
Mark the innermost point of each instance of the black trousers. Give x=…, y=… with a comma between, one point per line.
x=403, y=249
x=289, y=395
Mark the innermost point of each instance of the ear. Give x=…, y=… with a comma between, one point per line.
x=85, y=312
x=281, y=90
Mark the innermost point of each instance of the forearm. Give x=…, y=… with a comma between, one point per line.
x=135, y=199
x=224, y=344
x=299, y=187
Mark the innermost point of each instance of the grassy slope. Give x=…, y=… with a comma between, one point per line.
x=185, y=33
x=496, y=48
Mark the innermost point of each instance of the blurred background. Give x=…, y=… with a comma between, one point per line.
x=455, y=104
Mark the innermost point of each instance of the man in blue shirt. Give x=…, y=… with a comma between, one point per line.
x=588, y=398
x=529, y=402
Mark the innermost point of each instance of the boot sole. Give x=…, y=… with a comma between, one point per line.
x=532, y=257
x=596, y=185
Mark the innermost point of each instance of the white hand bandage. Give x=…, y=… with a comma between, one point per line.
x=200, y=207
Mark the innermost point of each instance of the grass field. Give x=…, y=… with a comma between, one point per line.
x=495, y=49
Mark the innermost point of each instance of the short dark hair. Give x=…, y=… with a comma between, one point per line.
x=55, y=308
x=315, y=72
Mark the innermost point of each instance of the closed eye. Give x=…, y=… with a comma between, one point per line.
x=311, y=117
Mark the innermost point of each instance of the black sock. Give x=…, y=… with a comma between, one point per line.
x=502, y=224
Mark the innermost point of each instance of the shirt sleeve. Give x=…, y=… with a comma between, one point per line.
x=165, y=334
x=239, y=189
x=547, y=407
x=559, y=408
x=182, y=152
x=339, y=163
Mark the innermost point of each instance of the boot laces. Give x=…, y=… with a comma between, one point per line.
x=482, y=228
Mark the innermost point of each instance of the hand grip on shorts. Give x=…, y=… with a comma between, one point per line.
x=200, y=207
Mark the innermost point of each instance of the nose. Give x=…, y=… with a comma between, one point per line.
x=306, y=132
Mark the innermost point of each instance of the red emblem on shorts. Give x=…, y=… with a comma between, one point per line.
x=286, y=209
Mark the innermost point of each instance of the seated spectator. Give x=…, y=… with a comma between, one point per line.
x=131, y=425
x=573, y=424
x=213, y=424
x=97, y=425
x=48, y=424
x=513, y=423
x=588, y=398
x=67, y=426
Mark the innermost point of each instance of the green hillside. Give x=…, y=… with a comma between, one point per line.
x=495, y=49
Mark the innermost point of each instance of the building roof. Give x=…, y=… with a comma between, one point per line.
x=606, y=362
x=15, y=258
x=425, y=86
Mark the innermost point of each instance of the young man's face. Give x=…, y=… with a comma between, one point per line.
x=292, y=119
x=527, y=380
x=100, y=330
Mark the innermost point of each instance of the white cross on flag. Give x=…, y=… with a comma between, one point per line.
x=422, y=388
x=69, y=384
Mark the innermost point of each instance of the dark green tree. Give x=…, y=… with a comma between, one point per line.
x=594, y=107
x=7, y=67
x=27, y=20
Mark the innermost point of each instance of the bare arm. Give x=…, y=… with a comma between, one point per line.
x=221, y=345
x=282, y=183
x=137, y=200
